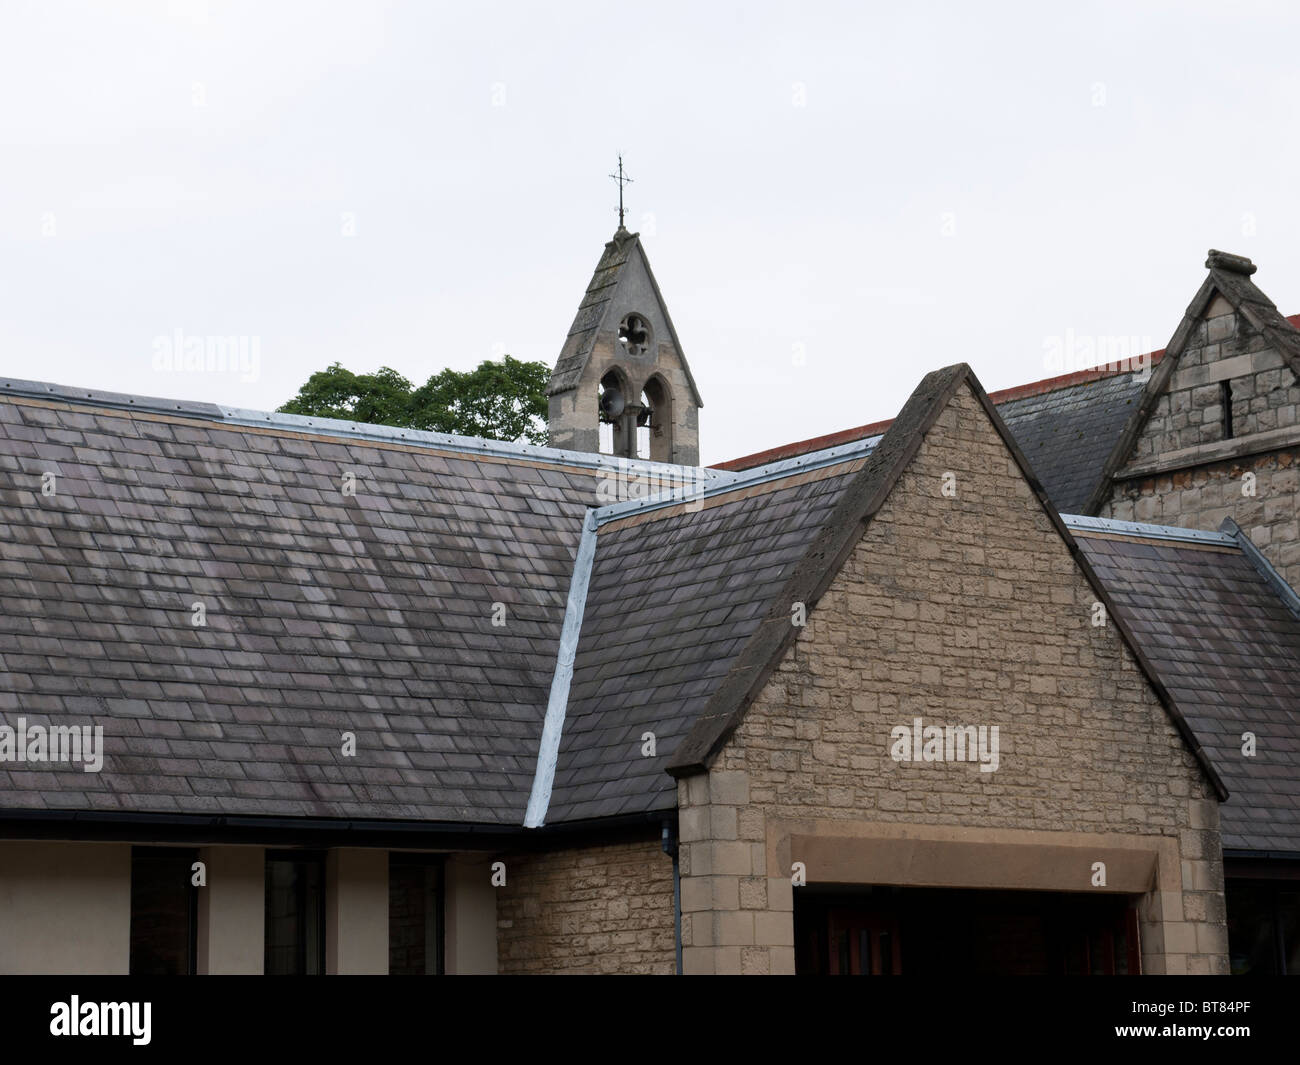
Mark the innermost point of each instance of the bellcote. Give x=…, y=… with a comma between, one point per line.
x=622, y=384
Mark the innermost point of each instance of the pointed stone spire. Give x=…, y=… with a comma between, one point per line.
x=622, y=340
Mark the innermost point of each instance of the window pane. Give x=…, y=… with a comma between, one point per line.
x=162, y=911
x=1288, y=916
x=295, y=915
x=414, y=915
x=1252, y=929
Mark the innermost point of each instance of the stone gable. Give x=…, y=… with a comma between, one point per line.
x=1186, y=471
x=966, y=610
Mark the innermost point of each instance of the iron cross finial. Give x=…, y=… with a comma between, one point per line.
x=622, y=180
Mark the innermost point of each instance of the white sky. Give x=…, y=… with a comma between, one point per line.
x=189, y=166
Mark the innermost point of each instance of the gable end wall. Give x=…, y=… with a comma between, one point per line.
x=1265, y=399
x=959, y=611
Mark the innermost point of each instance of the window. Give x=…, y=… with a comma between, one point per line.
x=295, y=913
x=654, y=422
x=164, y=912
x=611, y=400
x=1225, y=402
x=634, y=334
x=415, y=936
x=1263, y=927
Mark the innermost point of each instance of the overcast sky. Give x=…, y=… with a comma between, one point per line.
x=835, y=198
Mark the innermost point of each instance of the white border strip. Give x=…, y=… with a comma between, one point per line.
x=548, y=751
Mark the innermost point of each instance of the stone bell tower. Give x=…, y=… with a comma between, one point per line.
x=622, y=367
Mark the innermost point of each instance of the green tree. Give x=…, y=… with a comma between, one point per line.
x=499, y=400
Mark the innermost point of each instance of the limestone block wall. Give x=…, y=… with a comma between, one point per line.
x=1188, y=481
x=1267, y=508
x=601, y=909
x=1224, y=346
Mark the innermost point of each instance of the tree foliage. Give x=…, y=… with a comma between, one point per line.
x=499, y=400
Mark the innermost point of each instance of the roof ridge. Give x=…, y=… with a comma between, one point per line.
x=1005, y=395
x=343, y=428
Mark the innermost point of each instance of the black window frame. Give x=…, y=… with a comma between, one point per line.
x=315, y=858
x=1267, y=892
x=183, y=856
x=437, y=862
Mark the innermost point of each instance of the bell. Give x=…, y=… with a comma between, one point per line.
x=612, y=402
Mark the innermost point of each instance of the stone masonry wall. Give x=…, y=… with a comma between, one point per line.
x=1201, y=498
x=605, y=909
x=1265, y=399
x=966, y=610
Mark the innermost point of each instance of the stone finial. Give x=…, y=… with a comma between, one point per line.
x=1235, y=264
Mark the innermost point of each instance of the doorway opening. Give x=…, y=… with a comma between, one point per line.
x=881, y=931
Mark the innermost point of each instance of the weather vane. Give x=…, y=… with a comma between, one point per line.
x=621, y=182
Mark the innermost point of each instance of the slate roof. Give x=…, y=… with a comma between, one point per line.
x=325, y=613
x=372, y=614
x=328, y=613
x=1066, y=426
x=674, y=597
x=1067, y=434
x=1227, y=648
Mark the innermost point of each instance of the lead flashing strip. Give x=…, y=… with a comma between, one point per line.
x=464, y=445
x=724, y=482
x=548, y=752
x=1262, y=566
x=257, y=419
x=1082, y=523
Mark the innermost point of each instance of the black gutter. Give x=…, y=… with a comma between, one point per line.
x=315, y=832
x=1268, y=856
